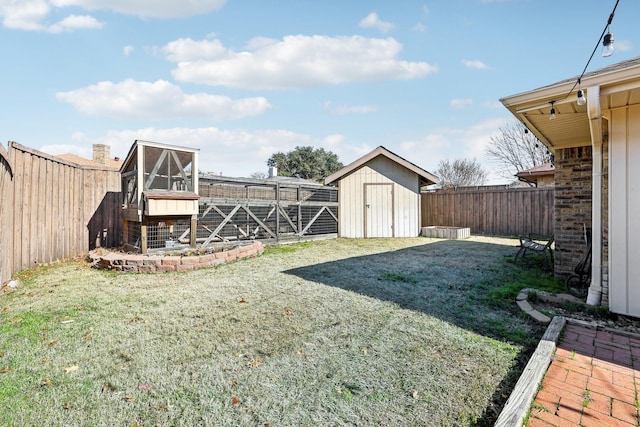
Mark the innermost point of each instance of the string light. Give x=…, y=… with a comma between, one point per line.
x=581, y=98
x=607, y=42
x=607, y=45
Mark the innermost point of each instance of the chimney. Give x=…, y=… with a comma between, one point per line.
x=101, y=153
x=273, y=172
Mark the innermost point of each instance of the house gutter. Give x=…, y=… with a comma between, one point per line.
x=594, y=111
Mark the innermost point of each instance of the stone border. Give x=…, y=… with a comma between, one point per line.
x=523, y=302
x=137, y=263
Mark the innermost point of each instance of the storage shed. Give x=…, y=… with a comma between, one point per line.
x=379, y=196
x=160, y=192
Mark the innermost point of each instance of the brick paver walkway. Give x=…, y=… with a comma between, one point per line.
x=593, y=381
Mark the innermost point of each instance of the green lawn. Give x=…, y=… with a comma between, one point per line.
x=336, y=332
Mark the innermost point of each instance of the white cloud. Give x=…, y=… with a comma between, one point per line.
x=147, y=8
x=475, y=64
x=189, y=50
x=622, y=45
x=157, y=101
x=128, y=50
x=373, y=21
x=456, y=143
x=32, y=15
x=419, y=27
x=294, y=62
x=342, y=110
x=461, y=103
x=75, y=22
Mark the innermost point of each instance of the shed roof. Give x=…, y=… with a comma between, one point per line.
x=426, y=177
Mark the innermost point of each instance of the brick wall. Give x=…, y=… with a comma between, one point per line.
x=101, y=153
x=573, y=178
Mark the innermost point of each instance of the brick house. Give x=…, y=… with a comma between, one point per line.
x=597, y=149
x=538, y=176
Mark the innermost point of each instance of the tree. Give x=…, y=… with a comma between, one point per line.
x=258, y=175
x=460, y=173
x=516, y=149
x=306, y=163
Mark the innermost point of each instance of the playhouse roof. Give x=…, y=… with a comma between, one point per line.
x=129, y=162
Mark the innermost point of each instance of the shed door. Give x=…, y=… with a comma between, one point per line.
x=378, y=210
x=624, y=221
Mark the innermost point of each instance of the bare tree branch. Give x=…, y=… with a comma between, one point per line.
x=515, y=150
x=460, y=173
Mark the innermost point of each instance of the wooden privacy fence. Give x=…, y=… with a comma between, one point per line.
x=51, y=209
x=497, y=212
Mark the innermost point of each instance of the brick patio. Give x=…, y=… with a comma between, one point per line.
x=591, y=382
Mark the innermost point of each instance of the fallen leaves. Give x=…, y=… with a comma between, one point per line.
x=53, y=344
x=146, y=387
x=287, y=313
x=5, y=370
x=235, y=400
x=16, y=320
x=242, y=300
x=45, y=382
x=256, y=362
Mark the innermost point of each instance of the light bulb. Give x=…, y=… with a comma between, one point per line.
x=552, y=113
x=581, y=98
x=607, y=45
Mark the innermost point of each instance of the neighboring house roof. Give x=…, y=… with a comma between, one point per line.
x=114, y=163
x=426, y=177
x=532, y=175
x=617, y=85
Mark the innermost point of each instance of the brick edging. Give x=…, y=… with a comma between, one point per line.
x=137, y=263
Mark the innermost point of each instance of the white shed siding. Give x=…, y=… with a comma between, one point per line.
x=406, y=197
x=624, y=205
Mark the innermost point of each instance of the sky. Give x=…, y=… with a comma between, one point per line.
x=243, y=79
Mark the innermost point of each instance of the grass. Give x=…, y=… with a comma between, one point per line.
x=337, y=332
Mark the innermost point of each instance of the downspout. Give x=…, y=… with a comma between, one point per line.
x=594, y=111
